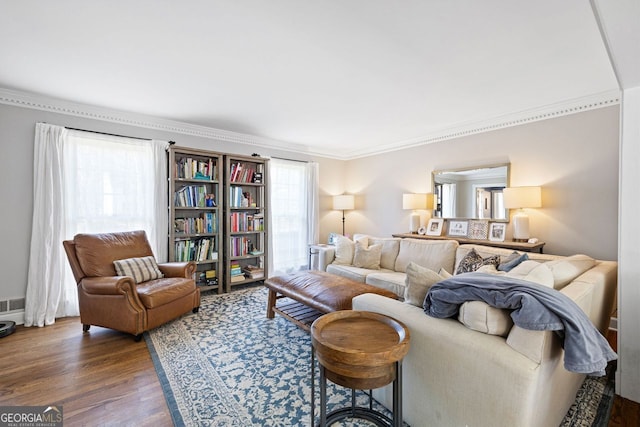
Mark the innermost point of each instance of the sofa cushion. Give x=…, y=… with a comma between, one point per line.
x=473, y=260
x=141, y=269
x=481, y=317
x=418, y=282
x=388, y=279
x=566, y=269
x=533, y=271
x=367, y=257
x=390, y=249
x=354, y=273
x=433, y=254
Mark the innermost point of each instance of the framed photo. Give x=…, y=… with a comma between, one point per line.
x=478, y=229
x=458, y=228
x=434, y=228
x=332, y=238
x=497, y=231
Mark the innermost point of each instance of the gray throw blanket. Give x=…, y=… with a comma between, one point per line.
x=536, y=307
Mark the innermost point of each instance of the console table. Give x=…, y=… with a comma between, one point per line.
x=518, y=246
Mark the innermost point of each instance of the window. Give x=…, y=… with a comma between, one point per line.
x=88, y=183
x=293, y=213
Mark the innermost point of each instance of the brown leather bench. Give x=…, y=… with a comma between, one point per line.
x=309, y=294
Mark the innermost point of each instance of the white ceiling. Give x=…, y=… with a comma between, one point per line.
x=335, y=78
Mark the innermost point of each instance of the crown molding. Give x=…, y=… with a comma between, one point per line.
x=579, y=105
x=41, y=102
x=55, y=105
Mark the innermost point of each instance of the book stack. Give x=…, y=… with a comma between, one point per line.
x=253, y=272
x=242, y=172
x=236, y=273
x=188, y=168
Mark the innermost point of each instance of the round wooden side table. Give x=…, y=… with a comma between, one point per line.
x=358, y=350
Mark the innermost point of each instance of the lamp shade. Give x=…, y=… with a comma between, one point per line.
x=522, y=197
x=414, y=201
x=343, y=202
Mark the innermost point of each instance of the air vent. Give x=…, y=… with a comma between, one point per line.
x=16, y=304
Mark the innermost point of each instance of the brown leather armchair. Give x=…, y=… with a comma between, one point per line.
x=118, y=302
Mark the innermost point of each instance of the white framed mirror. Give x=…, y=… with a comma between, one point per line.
x=473, y=192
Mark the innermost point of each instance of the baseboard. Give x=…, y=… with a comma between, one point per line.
x=14, y=316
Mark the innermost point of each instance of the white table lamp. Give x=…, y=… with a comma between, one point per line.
x=416, y=201
x=343, y=202
x=520, y=198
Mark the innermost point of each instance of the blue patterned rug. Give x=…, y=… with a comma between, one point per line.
x=229, y=365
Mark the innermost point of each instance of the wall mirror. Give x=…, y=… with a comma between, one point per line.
x=474, y=193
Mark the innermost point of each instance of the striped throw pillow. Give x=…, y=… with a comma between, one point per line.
x=140, y=269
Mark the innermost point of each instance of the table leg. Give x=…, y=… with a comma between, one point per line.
x=313, y=387
x=397, y=396
x=271, y=302
x=323, y=397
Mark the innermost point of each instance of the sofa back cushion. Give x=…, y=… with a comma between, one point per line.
x=390, y=248
x=432, y=254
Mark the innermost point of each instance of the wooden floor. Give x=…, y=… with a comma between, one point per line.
x=105, y=378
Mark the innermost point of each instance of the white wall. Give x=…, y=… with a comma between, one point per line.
x=574, y=158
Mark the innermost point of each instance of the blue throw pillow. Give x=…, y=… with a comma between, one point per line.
x=513, y=261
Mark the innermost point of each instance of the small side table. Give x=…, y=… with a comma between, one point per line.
x=315, y=250
x=359, y=350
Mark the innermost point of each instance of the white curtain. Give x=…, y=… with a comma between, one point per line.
x=294, y=214
x=88, y=183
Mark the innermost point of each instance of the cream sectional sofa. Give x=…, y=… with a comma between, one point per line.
x=456, y=376
x=395, y=255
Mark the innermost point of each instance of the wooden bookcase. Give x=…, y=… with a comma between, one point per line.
x=246, y=210
x=195, y=223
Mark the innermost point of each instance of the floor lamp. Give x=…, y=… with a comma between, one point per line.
x=343, y=202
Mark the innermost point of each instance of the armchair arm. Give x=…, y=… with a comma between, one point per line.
x=178, y=269
x=114, y=285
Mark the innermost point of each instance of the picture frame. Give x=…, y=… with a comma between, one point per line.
x=497, y=231
x=478, y=229
x=458, y=228
x=434, y=228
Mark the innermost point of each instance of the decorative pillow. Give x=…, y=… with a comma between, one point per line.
x=566, y=269
x=481, y=317
x=473, y=260
x=367, y=257
x=418, y=282
x=345, y=248
x=390, y=249
x=140, y=269
x=512, y=261
x=533, y=271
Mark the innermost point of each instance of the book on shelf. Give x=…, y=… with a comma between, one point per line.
x=242, y=172
x=189, y=168
x=195, y=250
x=239, y=278
x=253, y=272
x=191, y=196
x=207, y=222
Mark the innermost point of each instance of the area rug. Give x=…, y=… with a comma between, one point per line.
x=229, y=365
